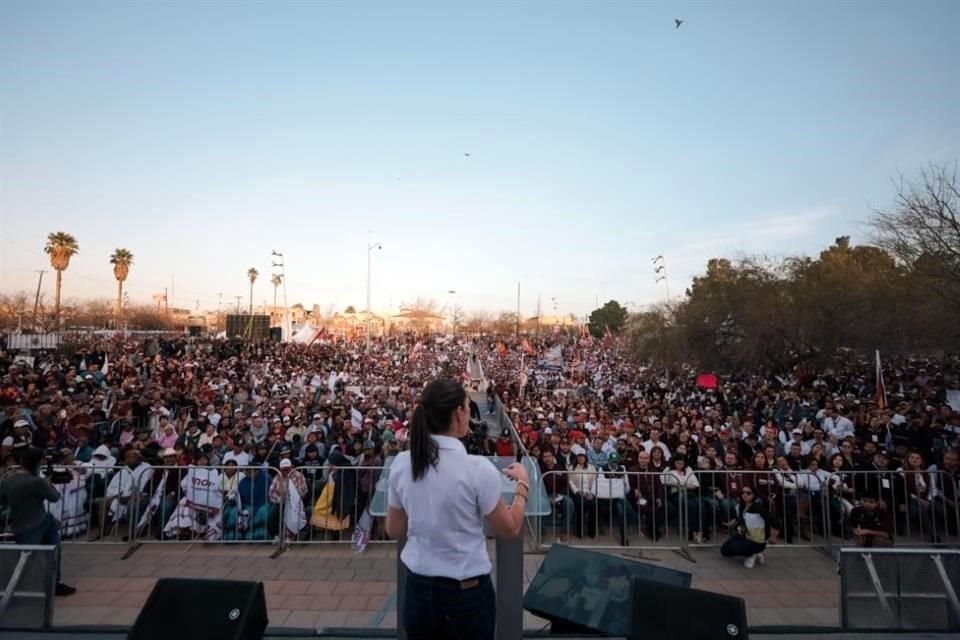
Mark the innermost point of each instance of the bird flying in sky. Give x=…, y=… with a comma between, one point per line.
x=679, y=22
x=466, y=155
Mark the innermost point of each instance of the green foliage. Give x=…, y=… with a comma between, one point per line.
x=611, y=316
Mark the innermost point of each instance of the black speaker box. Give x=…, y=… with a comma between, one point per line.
x=582, y=591
x=665, y=612
x=202, y=610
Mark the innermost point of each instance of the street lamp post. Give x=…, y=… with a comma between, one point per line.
x=285, y=328
x=453, y=311
x=370, y=248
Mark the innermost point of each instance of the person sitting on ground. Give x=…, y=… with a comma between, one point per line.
x=870, y=523
x=752, y=530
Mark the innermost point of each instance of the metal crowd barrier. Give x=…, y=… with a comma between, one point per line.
x=597, y=509
x=602, y=509
x=224, y=504
x=335, y=507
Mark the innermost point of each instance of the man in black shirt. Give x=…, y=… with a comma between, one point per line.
x=871, y=524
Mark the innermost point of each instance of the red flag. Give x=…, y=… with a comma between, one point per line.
x=525, y=345
x=707, y=381
x=501, y=348
x=608, y=338
x=881, y=388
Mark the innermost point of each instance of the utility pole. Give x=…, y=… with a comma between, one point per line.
x=660, y=269
x=36, y=300
x=238, y=303
x=518, y=308
x=539, y=311
x=286, y=330
x=166, y=302
x=370, y=248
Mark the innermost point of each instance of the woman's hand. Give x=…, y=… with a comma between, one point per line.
x=516, y=472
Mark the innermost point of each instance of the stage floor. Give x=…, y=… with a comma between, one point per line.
x=318, y=586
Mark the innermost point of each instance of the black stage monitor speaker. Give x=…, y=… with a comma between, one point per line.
x=666, y=612
x=581, y=591
x=202, y=610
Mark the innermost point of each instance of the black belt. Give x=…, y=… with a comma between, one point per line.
x=467, y=583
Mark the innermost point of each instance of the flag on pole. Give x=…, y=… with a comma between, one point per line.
x=527, y=348
x=106, y=365
x=881, y=388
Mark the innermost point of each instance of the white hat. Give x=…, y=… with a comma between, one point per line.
x=548, y=431
x=578, y=450
x=708, y=429
x=285, y=463
x=21, y=423
x=168, y=452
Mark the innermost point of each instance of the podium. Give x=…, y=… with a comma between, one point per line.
x=509, y=555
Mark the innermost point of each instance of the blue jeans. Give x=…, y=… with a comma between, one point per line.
x=45, y=532
x=438, y=608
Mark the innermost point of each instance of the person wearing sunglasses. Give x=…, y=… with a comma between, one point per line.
x=751, y=528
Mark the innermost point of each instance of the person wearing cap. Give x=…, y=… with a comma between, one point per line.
x=289, y=488
x=21, y=439
x=439, y=499
x=24, y=494
x=613, y=487
x=506, y=445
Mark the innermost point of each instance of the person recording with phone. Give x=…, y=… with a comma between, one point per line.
x=439, y=498
x=24, y=493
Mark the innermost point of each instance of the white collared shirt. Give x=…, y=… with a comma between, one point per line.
x=445, y=511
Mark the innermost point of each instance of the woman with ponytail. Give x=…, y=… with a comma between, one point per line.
x=439, y=499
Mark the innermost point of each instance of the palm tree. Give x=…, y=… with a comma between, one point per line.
x=252, y=273
x=61, y=246
x=121, y=259
x=275, y=280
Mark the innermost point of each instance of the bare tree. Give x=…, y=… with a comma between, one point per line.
x=477, y=321
x=922, y=230
x=506, y=323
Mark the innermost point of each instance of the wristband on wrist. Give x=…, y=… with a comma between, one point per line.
x=523, y=483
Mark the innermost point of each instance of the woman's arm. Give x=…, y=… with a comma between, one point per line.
x=396, y=523
x=507, y=522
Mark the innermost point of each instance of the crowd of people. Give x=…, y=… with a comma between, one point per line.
x=191, y=437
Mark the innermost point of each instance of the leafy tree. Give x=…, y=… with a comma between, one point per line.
x=612, y=316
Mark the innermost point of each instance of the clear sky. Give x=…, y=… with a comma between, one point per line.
x=201, y=135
